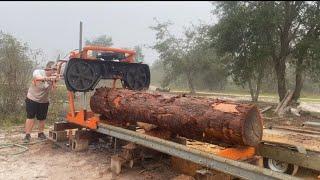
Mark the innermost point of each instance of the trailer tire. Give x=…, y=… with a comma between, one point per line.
x=281, y=167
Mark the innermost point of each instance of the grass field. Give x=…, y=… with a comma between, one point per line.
x=246, y=96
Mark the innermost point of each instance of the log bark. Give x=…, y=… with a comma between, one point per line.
x=199, y=118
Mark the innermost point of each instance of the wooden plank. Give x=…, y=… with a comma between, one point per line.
x=280, y=103
x=309, y=160
x=265, y=109
x=60, y=126
x=285, y=104
x=312, y=124
x=300, y=130
x=308, y=141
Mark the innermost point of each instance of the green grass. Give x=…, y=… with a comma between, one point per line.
x=305, y=97
x=9, y=120
x=56, y=109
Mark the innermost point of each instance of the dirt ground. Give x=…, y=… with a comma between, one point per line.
x=45, y=160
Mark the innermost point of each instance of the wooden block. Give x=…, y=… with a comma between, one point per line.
x=184, y=166
x=82, y=134
x=256, y=160
x=79, y=144
x=180, y=140
x=211, y=176
x=146, y=126
x=50, y=134
x=192, y=169
x=116, y=163
x=183, y=177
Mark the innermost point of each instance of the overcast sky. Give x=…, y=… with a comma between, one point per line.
x=54, y=26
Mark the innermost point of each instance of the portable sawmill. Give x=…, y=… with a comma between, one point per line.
x=234, y=130
x=209, y=120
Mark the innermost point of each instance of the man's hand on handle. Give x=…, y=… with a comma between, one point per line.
x=52, y=79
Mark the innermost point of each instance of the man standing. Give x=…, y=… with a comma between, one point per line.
x=37, y=101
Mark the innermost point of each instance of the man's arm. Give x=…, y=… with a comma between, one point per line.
x=39, y=75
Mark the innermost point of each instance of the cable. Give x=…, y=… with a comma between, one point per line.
x=24, y=149
x=22, y=146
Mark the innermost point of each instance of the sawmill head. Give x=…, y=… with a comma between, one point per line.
x=83, y=74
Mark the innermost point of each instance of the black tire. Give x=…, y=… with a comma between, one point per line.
x=289, y=170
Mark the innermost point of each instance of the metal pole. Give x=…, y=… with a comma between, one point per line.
x=80, y=40
x=84, y=102
x=115, y=145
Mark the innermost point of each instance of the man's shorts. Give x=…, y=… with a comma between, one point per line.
x=35, y=109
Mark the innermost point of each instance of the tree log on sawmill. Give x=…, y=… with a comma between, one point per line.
x=203, y=119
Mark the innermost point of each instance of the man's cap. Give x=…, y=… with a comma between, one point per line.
x=51, y=65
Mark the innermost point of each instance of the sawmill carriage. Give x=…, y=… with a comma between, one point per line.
x=83, y=71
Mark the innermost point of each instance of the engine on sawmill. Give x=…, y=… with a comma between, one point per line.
x=111, y=56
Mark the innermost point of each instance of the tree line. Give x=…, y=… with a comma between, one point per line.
x=252, y=43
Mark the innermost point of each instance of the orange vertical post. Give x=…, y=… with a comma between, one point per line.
x=71, y=103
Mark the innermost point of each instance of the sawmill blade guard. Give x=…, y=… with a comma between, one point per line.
x=84, y=74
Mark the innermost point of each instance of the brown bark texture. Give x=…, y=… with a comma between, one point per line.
x=199, y=118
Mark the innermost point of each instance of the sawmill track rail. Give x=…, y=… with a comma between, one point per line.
x=235, y=168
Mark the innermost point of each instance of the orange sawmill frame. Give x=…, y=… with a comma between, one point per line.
x=83, y=117
x=84, y=53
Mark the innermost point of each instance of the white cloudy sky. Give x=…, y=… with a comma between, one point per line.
x=54, y=26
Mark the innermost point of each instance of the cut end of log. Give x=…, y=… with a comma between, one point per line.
x=253, y=127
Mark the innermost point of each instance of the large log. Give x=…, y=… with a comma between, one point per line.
x=199, y=118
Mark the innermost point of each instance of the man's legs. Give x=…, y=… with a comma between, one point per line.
x=29, y=125
x=41, y=126
x=31, y=108
x=41, y=116
x=41, y=135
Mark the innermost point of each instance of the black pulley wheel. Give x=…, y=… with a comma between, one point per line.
x=137, y=78
x=80, y=76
